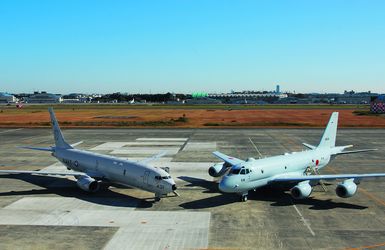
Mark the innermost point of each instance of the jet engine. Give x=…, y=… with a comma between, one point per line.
x=346, y=189
x=219, y=169
x=301, y=191
x=88, y=184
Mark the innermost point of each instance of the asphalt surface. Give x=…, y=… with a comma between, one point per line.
x=48, y=212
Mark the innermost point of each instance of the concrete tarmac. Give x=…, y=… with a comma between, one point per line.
x=47, y=212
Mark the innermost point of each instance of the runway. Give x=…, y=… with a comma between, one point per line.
x=50, y=212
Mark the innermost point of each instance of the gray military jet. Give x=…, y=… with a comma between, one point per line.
x=91, y=169
x=298, y=168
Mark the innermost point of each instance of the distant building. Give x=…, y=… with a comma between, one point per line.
x=377, y=104
x=7, y=98
x=44, y=97
x=77, y=98
x=277, y=90
x=203, y=100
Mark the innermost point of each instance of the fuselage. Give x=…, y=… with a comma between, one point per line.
x=116, y=170
x=255, y=173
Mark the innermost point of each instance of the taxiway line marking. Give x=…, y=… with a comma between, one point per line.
x=260, y=155
x=10, y=130
x=372, y=196
x=305, y=222
x=367, y=247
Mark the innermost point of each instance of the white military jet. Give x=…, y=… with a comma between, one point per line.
x=90, y=169
x=297, y=168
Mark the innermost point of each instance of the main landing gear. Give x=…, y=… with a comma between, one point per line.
x=157, y=197
x=243, y=197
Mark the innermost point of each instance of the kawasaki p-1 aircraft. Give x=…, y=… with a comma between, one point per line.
x=90, y=169
x=299, y=169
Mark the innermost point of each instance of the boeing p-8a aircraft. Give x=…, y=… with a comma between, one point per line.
x=298, y=168
x=90, y=169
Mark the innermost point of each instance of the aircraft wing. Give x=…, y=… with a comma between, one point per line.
x=299, y=178
x=75, y=174
x=153, y=158
x=231, y=160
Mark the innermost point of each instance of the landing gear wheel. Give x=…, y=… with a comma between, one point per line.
x=244, y=198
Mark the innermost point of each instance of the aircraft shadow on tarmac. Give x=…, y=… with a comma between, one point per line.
x=67, y=188
x=209, y=186
x=276, y=195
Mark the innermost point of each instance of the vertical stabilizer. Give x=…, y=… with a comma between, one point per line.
x=329, y=137
x=59, y=139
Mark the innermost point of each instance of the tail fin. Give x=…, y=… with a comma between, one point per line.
x=59, y=139
x=328, y=139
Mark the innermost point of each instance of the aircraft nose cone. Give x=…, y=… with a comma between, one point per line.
x=173, y=187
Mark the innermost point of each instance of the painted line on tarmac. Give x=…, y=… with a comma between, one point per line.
x=10, y=130
x=367, y=247
x=260, y=155
x=305, y=222
x=378, y=200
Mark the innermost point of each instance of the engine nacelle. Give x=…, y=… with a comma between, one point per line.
x=218, y=169
x=88, y=184
x=301, y=191
x=346, y=189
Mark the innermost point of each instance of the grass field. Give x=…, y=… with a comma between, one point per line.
x=188, y=116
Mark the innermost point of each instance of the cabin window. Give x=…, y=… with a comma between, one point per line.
x=124, y=172
x=247, y=171
x=262, y=171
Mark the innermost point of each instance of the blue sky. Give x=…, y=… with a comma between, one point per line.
x=191, y=45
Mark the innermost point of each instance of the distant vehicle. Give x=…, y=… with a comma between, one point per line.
x=19, y=105
x=299, y=169
x=90, y=169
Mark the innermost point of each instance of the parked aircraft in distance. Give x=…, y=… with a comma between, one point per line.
x=90, y=169
x=298, y=168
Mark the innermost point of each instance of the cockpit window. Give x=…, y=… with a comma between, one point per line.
x=243, y=171
x=247, y=171
x=166, y=177
x=158, y=177
x=235, y=171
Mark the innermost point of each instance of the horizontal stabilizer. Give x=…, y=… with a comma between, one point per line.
x=309, y=146
x=77, y=143
x=357, y=151
x=50, y=149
